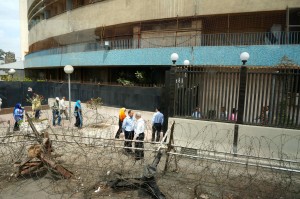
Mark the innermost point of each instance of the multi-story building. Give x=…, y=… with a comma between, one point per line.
x=23, y=28
x=109, y=39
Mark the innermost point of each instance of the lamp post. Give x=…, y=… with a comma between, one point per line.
x=243, y=77
x=169, y=96
x=241, y=103
x=69, y=69
x=12, y=72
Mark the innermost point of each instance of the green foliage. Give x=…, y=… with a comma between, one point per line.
x=140, y=76
x=94, y=103
x=27, y=79
x=36, y=96
x=129, y=78
x=6, y=78
x=286, y=62
x=125, y=82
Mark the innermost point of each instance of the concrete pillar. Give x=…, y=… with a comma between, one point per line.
x=136, y=37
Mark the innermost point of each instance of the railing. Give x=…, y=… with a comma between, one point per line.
x=223, y=39
x=252, y=38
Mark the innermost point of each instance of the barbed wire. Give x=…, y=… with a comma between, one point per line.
x=201, y=163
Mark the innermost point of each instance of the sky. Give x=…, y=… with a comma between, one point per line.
x=10, y=27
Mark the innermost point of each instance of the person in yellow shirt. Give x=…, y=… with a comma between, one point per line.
x=122, y=116
x=36, y=106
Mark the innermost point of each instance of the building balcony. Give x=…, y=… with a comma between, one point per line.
x=201, y=49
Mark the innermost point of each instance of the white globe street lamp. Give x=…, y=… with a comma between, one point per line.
x=11, y=72
x=174, y=57
x=244, y=57
x=186, y=62
x=69, y=69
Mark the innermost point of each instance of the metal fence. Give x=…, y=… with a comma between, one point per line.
x=220, y=39
x=272, y=95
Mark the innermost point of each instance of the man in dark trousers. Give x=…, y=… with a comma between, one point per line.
x=139, y=129
x=157, y=123
x=128, y=127
x=55, y=112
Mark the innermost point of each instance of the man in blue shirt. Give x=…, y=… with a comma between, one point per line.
x=157, y=123
x=128, y=128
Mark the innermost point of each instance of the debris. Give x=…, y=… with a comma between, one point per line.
x=98, y=190
x=147, y=182
x=34, y=151
x=39, y=155
x=204, y=196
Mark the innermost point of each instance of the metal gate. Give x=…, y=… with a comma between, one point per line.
x=211, y=93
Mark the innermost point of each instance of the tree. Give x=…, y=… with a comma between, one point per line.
x=95, y=104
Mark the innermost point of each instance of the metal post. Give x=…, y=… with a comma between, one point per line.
x=69, y=79
x=242, y=91
x=241, y=105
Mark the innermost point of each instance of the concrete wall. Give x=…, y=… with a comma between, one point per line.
x=264, y=55
x=117, y=96
x=113, y=12
x=253, y=140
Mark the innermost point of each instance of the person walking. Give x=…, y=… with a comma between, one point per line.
x=18, y=116
x=157, y=123
x=122, y=116
x=0, y=103
x=63, y=108
x=139, y=129
x=55, y=112
x=128, y=126
x=78, y=114
x=36, y=106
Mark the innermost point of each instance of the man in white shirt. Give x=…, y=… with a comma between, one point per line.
x=139, y=129
x=63, y=107
x=128, y=127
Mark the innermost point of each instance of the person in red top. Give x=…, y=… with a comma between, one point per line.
x=122, y=116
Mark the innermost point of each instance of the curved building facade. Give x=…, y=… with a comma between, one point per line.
x=103, y=38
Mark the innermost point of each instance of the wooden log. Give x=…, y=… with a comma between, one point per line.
x=59, y=168
x=35, y=163
x=22, y=163
x=30, y=169
x=36, y=133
